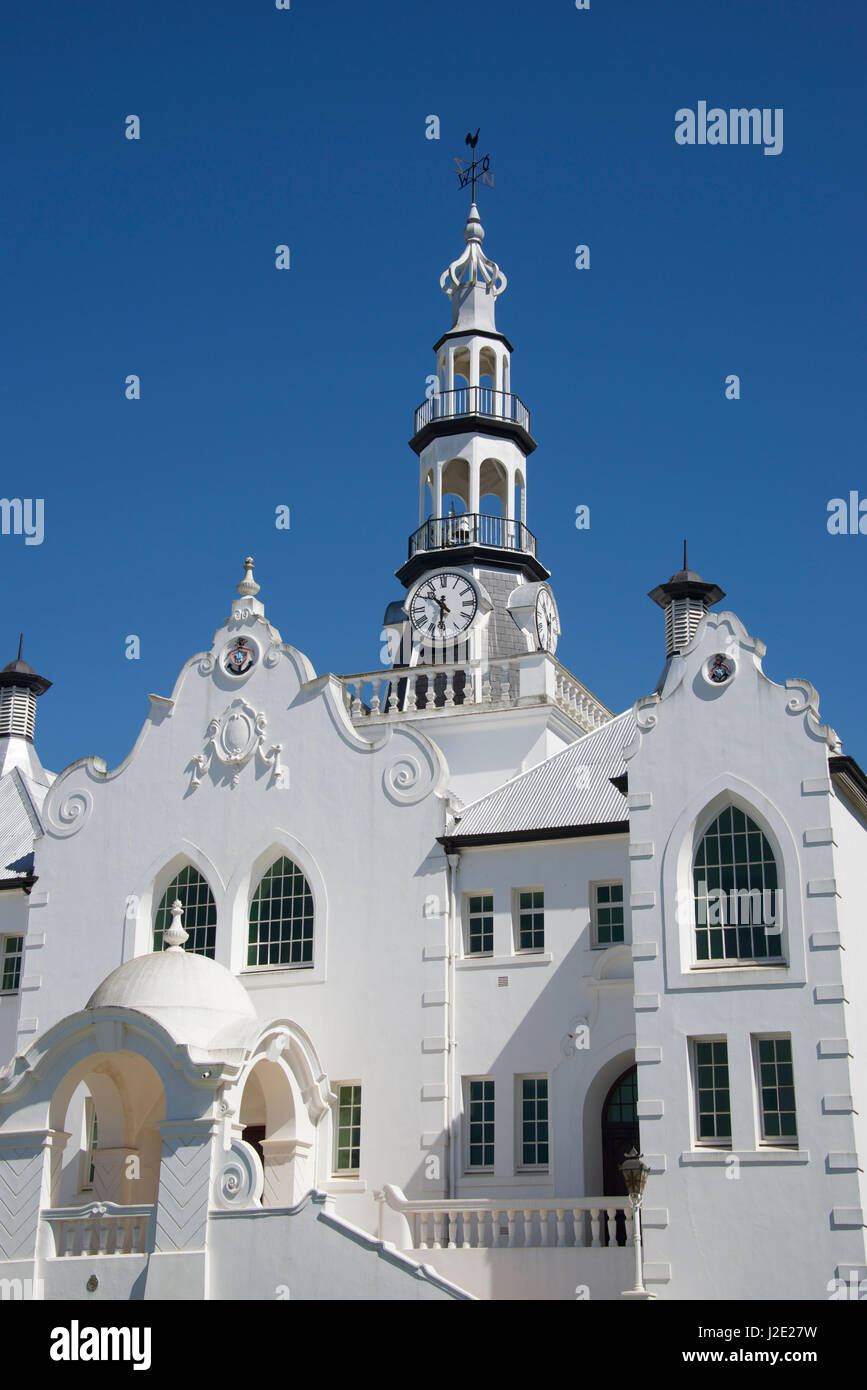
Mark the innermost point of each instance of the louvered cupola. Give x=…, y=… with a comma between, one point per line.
x=685, y=599
x=20, y=687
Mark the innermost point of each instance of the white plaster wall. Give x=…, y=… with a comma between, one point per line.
x=850, y=873
x=519, y=1029
x=735, y=1238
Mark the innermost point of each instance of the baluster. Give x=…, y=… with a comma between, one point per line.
x=477, y=1234
x=392, y=700
x=450, y=689
x=594, y=1228
x=347, y=698
x=545, y=1227
x=410, y=699
x=528, y=1226
x=561, y=1228
x=60, y=1237
x=374, y=699
x=438, y=1231
x=612, y=1225
x=510, y=1216
x=495, y=1230
x=355, y=707
x=419, y=1231
x=450, y=1229
x=504, y=684
x=487, y=691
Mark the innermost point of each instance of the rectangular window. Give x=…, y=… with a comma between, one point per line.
x=777, y=1090
x=713, y=1101
x=608, y=919
x=348, y=1147
x=480, y=1124
x=91, y=1136
x=13, y=950
x=530, y=925
x=480, y=924
x=534, y=1137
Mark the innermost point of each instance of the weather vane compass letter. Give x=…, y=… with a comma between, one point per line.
x=477, y=169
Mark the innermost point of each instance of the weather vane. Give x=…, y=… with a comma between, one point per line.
x=477, y=169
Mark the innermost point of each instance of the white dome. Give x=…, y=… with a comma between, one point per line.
x=197, y=1000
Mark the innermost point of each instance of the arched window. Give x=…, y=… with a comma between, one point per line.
x=200, y=912
x=281, y=918
x=738, y=908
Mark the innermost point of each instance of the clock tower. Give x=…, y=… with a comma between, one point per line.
x=476, y=588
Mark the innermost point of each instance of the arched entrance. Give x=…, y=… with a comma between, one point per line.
x=619, y=1130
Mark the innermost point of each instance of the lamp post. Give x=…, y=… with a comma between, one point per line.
x=635, y=1176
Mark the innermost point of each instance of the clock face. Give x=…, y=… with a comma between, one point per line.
x=442, y=606
x=547, y=625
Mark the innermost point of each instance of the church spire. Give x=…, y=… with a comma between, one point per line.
x=473, y=281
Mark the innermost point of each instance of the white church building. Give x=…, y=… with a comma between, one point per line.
x=363, y=986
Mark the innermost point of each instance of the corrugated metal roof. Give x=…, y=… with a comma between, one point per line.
x=572, y=788
x=19, y=827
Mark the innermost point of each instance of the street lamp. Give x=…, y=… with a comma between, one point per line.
x=635, y=1176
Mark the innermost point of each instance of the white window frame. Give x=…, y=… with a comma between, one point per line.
x=338, y=1173
x=520, y=1165
x=465, y=912
x=88, y=1147
x=6, y=937
x=773, y=1141
x=469, y=1168
x=704, y=1141
x=737, y=962
x=517, y=948
x=598, y=945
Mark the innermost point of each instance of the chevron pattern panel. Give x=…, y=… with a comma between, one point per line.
x=21, y=1173
x=185, y=1176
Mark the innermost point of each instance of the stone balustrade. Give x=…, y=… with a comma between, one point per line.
x=101, y=1228
x=475, y=1224
x=469, y=687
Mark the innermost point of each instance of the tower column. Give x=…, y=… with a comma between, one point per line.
x=438, y=489
x=475, y=485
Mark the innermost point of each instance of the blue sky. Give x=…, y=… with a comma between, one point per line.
x=263, y=387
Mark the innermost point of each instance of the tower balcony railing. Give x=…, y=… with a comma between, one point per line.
x=472, y=528
x=473, y=400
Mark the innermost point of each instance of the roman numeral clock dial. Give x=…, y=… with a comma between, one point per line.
x=442, y=606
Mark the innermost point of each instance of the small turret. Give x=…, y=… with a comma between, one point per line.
x=20, y=687
x=686, y=598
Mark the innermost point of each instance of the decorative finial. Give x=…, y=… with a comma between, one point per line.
x=176, y=934
x=248, y=586
x=20, y=644
x=477, y=169
x=685, y=563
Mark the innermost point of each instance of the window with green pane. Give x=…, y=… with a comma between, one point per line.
x=348, y=1129
x=622, y=1103
x=480, y=924
x=777, y=1088
x=608, y=909
x=13, y=951
x=199, y=916
x=480, y=1124
x=737, y=903
x=531, y=919
x=713, y=1101
x=534, y=1122
x=281, y=918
